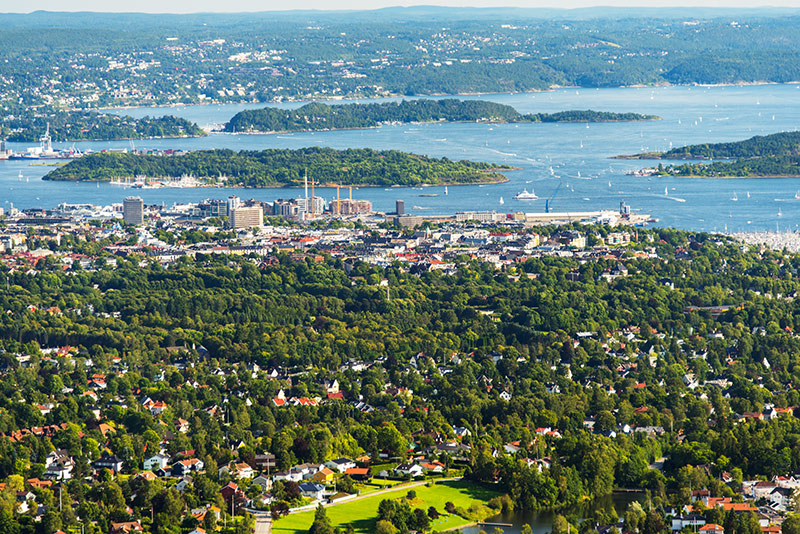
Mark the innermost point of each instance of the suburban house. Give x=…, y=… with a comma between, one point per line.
x=59, y=468
x=183, y=483
x=157, y=461
x=340, y=465
x=288, y=476
x=183, y=467
x=781, y=498
x=689, y=520
x=263, y=482
x=112, y=463
x=126, y=527
x=323, y=476
x=359, y=473
x=240, y=470
x=433, y=467
x=404, y=470
x=711, y=528
x=264, y=461
x=312, y=490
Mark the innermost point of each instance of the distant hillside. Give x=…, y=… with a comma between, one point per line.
x=318, y=116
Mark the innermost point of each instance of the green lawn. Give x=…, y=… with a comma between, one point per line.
x=362, y=514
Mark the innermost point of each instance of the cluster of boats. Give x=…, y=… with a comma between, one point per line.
x=43, y=151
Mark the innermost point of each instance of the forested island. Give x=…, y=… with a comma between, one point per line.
x=283, y=167
x=319, y=116
x=93, y=126
x=775, y=155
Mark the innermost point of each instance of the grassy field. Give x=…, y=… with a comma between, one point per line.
x=362, y=514
x=376, y=485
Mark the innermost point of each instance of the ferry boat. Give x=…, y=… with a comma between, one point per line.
x=525, y=195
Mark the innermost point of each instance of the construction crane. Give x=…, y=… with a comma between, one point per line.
x=338, y=197
x=549, y=200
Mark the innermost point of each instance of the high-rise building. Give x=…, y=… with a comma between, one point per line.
x=133, y=210
x=312, y=206
x=399, y=207
x=233, y=203
x=246, y=217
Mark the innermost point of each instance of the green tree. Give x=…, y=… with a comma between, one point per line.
x=321, y=524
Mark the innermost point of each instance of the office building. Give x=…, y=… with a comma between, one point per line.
x=247, y=217
x=133, y=211
x=400, y=207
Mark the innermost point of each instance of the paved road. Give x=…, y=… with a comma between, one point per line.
x=263, y=522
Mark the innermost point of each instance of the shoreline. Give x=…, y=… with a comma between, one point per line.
x=278, y=132
x=116, y=139
x=501, y=180
x=750, y=177
x=550, y=89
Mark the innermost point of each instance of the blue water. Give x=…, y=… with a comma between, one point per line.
x=578, y=155
x=541, y=521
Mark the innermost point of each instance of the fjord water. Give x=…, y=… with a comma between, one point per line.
x=579, y=156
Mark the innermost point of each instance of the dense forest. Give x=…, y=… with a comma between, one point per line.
x=282, y=167
x=318, y=116
x=93, y=126
x=770, y=155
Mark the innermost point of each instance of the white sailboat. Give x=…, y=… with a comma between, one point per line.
x=734, y=197
x=502, y=201
x=666, y=192
x=748, y=194
x=797, y=195
x=445, y=190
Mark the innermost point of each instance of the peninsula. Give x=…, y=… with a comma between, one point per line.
x=283, y=167
x=775, y=155
x=318, y=116
x=94, y=126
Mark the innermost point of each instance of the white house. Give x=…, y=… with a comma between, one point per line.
x=408, y=469
x=340, y=464
x=689, y=520
x=312, y=490
x=157, y=461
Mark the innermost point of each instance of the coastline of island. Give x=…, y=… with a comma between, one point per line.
x=768, y=156
x=317, y=116
x=282, y=168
